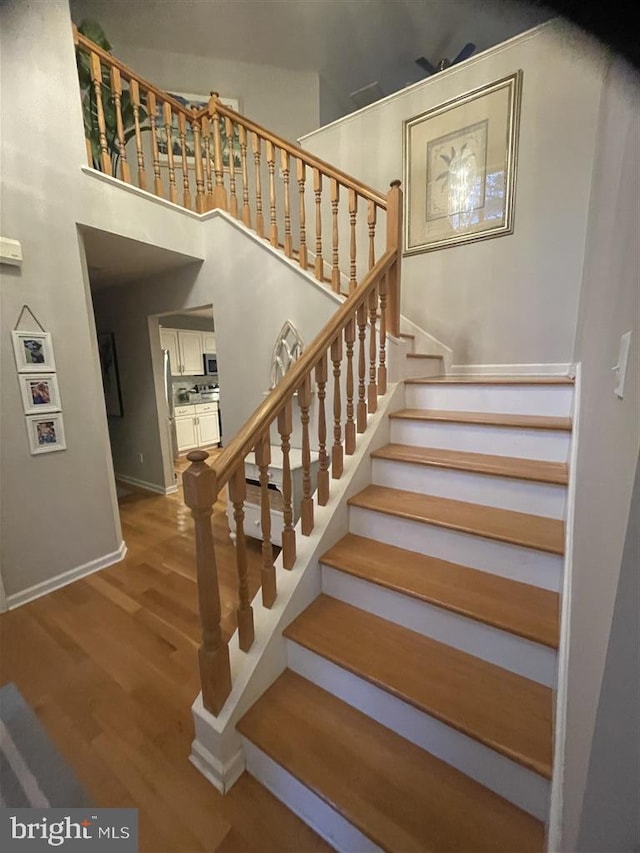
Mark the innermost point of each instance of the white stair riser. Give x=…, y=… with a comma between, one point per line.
x=422, y=368
x=549, y=400
x=506, y=650
x=510, y=780
x=499, y=558
x=549, y=445
x=503, y=492
x=313, y=810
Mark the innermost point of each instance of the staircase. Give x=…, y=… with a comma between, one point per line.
x=416, y=710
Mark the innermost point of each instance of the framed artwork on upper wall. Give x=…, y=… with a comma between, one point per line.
x=33, y=352
x=191, y=101
x=459, y=168
x=110, y=375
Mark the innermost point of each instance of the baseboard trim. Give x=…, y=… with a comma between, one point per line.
x=549, y=369
x=221, y=775
x=145, y=486
x=45, y=587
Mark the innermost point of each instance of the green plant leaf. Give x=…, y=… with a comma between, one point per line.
x=93, y=31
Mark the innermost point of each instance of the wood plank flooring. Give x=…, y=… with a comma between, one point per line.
x=108, y=663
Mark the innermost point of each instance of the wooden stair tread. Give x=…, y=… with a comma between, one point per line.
x=536, y=470
x=467, y=379
x=486, y=418
x=518, y=528
x=502, y=710
x=395, y=793
x=524, y=610
x=407, y=335
x=423, y=355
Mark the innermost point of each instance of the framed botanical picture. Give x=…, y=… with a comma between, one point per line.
x=110, y=375
x=191, y=101
x=460, y=168
x=39, y=393
x=33, y=352
x=46, y=433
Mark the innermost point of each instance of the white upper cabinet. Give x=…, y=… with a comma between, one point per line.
x=209, y=342
x=191, y=351
x=169, y=341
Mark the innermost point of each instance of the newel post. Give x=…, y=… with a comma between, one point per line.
x=219, y=192
x=394, y=241
x=200, y=493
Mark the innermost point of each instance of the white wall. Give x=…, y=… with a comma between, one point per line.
x=253, y=291
x=512, y=299
x=610, y=429
x=58, y=510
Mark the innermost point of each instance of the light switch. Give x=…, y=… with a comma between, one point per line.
x=621, y=367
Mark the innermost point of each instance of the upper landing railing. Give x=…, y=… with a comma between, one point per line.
x=200, y=158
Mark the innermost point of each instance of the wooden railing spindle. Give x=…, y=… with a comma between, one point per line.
x=200, y=493
x=337, y=459
x=209, y=173
x=219, y=192
x=301, y=175
x=268, y=572
x=273, y=223
x=96, y=79
x=233, y=197
x=256, y=159
x=317, y=191
x=323, y=469
x=168, y=120
x=155, y=153
x=335, y=269
x=182, y=135
x=350, y=426
x=284, y=166
x=246, y=210
x=237, y=495
x=197, y=151
x=285, y=427
x=353, y=213
x=134, y=91
x=382, y=355
x=306, y=506
x=116, y=88
x=372, y=390
x=394, y=243
x=361, y=410
x=372, y=211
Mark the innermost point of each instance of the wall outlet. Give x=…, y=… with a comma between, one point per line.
x=621, y=367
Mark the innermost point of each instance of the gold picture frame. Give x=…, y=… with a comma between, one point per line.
x=459, y=168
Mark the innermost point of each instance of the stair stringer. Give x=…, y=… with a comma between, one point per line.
x=425, y=342
x=217, y=749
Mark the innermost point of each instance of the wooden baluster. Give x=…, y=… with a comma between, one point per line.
x=382, y=358
x=155, y=153
x=219, y=193
x=116, y=88
x=372, y=390
x=317, y=191
x=168, y=121
x=353, y=213
x=336, y=451
x=306, y=508
x=350, y=427
x=208, y=164
x=182, y=135
x=372, y=212
x=335, y=269
x=237, y=495
x=89, y=151
x=361, y=410
x=271, y=163
x=257, y=153
x=285, y=427
x=284, y=166
x=233, y=197
x=268, y=572
x=134, y=91
x=301, y=176
x=200, y=493
x=96, y=79
x=197, y=152
x=394, y=241
x=246, y=210
x=323, y=472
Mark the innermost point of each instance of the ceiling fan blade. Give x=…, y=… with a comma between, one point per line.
x=426, y=65
x=465, y=53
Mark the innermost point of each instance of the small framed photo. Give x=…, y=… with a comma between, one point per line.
x=33, y=352
x=40, y=393
x=46, y=433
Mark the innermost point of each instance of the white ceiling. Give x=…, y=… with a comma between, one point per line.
x=350, y=43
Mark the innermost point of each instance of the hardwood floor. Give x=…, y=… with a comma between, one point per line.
x=109, y=665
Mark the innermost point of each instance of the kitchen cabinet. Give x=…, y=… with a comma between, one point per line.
x=186, y=349
x=197, y=425
x=209, y=342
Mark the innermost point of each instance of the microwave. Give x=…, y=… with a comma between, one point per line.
x=210, y=364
